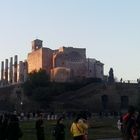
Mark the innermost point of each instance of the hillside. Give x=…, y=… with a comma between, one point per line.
x=94, y=97
x=89, y=97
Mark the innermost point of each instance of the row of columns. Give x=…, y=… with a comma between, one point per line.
x=13, y=72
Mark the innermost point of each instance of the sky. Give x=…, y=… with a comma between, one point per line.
x=108, y=29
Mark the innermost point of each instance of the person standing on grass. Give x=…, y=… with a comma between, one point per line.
x=79, y=129
x=1, y=130
x=129, y=128
x=13, y=129
x=138, y=125
x=40, y=128
x=59, y=130
x=4, y=128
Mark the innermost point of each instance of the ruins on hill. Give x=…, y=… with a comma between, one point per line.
x=13, y=72
x=63, y=65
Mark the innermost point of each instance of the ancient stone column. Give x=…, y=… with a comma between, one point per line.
x=2, y=70
x=21, y=71
x=25, y=71
x=11, y=70
x=15, y=68
x=6, y=70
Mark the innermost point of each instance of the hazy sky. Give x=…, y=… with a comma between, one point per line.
x=108, y=29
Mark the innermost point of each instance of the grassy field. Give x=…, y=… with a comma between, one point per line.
x=99, y=128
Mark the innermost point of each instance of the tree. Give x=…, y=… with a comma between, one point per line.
x=36, y=88
x=36, y=79
x=111, y=76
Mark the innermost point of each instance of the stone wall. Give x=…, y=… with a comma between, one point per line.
x=60, y=74
x=73, y=59
x=95, y=68
x=47, y=59
x=34, y=60
x=66, y=57
x=102, y=97
x=67, y=50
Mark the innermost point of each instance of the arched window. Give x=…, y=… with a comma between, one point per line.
x=124, y=102
x=104, y=99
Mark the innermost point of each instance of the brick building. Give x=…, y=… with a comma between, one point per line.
x=64, y=64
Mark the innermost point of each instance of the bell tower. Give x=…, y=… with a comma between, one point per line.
x=36, y=44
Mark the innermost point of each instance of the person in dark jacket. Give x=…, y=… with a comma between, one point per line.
x=60, y=129
x=13, y=130
x=138, y=125
x=1, y=132
x=40, y=128
x=129, y=124
x=5, y=126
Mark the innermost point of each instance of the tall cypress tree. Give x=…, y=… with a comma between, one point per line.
x=111, y=76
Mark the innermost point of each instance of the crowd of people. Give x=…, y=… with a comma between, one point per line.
x=78, y=129
x=128, y=124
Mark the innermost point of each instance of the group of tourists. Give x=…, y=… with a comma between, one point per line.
x=78, y=129
x=129, y=124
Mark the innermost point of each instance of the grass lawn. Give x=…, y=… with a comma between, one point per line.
x=99, y=128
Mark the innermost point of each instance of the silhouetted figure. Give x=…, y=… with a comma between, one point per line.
x=129, y=124
x=13, y=130
x=5, y=126
x=40, y=128
x=1, y=133
x=138, y=125
x=59, y=130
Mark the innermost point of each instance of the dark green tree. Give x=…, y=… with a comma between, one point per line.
x=111, y=76
x=36, y=88
x=35, y=80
